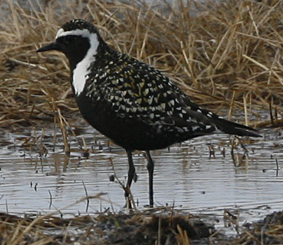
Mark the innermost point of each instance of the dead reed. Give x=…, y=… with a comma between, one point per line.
x=222, y=54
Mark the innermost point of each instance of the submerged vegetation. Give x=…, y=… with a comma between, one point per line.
x=226, y=55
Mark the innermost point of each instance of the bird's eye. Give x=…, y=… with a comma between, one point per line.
x=68, y=39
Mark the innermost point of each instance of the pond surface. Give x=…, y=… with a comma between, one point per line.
x=186, y=176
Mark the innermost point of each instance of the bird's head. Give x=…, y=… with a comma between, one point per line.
x=76, y=39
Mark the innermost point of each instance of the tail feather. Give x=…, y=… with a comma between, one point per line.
x=221, y=124
x=229, y=127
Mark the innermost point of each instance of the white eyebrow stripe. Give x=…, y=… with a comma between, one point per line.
x=59, y=32
x=78, y=32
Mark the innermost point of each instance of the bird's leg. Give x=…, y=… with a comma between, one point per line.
x=131, y=174
x=150, y=168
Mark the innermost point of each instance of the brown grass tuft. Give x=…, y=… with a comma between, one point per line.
x=224, y=54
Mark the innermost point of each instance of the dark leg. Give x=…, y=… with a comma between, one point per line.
x=131, y=173
x=150, y=168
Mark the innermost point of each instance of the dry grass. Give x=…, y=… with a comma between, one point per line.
x=166, y=227
x=106, y=228
x=226, y=55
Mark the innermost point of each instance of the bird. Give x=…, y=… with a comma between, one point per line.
x=132, y=103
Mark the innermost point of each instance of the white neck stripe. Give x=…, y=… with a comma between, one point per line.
x=81, y=72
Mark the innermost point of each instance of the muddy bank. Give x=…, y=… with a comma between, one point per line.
x=148, y=227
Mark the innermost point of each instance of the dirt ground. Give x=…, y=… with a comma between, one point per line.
x=148, y=227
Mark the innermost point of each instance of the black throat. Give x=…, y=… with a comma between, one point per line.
x=76, y=53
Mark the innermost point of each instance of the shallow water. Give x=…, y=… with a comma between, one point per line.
x=185, y=175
